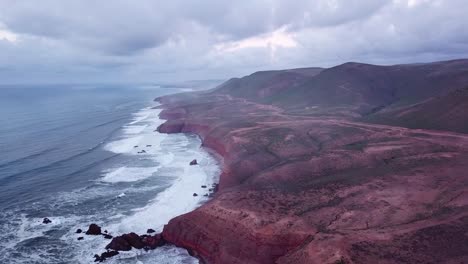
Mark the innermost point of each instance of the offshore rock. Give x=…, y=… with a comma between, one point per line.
x=93, y=230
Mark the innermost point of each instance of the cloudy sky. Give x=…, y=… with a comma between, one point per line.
x=153, y=40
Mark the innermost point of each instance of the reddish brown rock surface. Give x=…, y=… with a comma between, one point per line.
x=93, y=230
x=310, y=177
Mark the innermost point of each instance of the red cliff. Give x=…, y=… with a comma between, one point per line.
x=317, y=182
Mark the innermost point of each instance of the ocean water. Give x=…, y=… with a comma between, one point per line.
x=73, y=154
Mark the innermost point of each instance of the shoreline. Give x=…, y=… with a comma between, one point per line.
x=289, y=184
x=220, y=162
x=176, y=188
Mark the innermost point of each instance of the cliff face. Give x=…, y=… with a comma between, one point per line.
x=315, y=184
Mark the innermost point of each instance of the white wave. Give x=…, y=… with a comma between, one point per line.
x=176, y=200
x=128, y=174
x=134, y=129
x=162, y=255
x=171, y=155
x=23, y=228
x=124, y=145
x=145, y=114
x=139, y=136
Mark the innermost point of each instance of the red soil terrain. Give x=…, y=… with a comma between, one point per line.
x=352, y=164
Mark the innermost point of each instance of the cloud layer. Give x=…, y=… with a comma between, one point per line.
x=144, y=40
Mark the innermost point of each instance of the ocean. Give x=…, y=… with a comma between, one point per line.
x=82, y=154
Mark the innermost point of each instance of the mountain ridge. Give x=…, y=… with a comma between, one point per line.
x=331, y=174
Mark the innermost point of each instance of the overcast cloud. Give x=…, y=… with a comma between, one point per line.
x=143, y=40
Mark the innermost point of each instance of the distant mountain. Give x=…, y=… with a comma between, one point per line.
x=443, y=112
x=266, y=85
x=381, y=94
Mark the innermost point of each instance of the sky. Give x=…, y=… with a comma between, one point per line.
x=56, y=41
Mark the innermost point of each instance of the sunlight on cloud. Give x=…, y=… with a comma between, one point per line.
x=276, y=39
x=8, y=36
x=415, y=3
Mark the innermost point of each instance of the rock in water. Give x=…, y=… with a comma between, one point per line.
x=106, y=236
x=152, y=242
x=80, y=238
x=119, y=243
x=93, y=230
x=105, y=256
x=79, y=231
x=195, y=194
x=134, y=240
x=194, y=162
x=125, y=242
x=46, y=221
x=149, y=231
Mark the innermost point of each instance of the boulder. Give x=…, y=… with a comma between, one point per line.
x=106, y=236
x=105, y=255
x=80, y=238
x=195, y=194
x=93, y=230
x=125, y=242
x=79, y=231
x=193, y=162
x=119, y=243
x=109, y=254
x=152, y=242
x=215, y=187
x=134, y=240
x=46, y=221
x=149, y=231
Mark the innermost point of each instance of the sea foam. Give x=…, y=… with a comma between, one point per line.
x=128, y=174
x=166, y=157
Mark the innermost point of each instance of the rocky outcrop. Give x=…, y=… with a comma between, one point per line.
x=128, y=241
x=152, y=242
x=105, y=255
x=93, y=229
x=119, y=244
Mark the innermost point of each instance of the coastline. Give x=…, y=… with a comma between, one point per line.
x=175, y=232
x=295, y=189
x=172, y=154
x=211, y=150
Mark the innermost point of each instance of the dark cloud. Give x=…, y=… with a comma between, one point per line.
x=128, y=26
x=151, y=40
